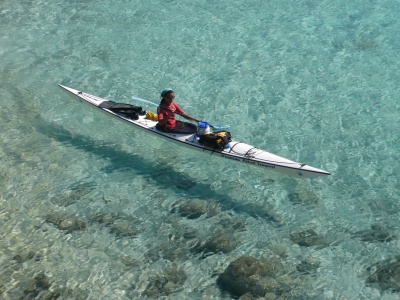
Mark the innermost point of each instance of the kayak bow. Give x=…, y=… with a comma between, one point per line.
x=236, y=151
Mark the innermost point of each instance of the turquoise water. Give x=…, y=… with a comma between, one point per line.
x=90, y=207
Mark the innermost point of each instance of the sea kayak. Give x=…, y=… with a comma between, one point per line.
x=235, y=151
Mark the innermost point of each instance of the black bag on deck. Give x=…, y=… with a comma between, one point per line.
x=217, y=140
x=128, y=110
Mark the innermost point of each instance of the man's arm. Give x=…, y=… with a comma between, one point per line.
x=188, y=117
x=183, y=114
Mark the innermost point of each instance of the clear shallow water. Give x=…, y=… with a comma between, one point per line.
x=314, y=82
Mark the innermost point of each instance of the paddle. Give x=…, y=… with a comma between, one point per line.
x=155, y=104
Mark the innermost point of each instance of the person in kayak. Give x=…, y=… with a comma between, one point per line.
x=166, y=115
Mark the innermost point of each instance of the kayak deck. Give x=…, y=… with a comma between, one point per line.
x=236, y=151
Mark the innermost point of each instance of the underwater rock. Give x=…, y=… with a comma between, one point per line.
x=181, y=233
x=61, y=292
x=248, y=296
x=248, y=275
x=386, y=274
x=54, y=218
x=308, y=238
x=377, y=233
x=169, y=251
x=232, y=222
x=47, y=295
x=166, y=283
x=267, y=296
x=189, y=233
x=68, y=224
x=104, y=218
x=86, y=240
x=295, y=198
x=109, y=217
x=220, y=242
x=279, y=250
x=39, y=288
x=272, y=296
x=122, y=225
x=131, y=291
x=129, y=261
x=41, y=281
x=64, y=200
x=308, y=266
x=24, y=256
x=303, y=197
x=222, y=237
x=72, y=224
x=123, y=228
x=193, y=209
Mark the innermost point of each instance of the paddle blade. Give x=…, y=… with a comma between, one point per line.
x=144, y=100
x=220, y=127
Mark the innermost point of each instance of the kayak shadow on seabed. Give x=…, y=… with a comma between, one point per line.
x=119, y=159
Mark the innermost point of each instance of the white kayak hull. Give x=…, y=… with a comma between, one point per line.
x=237, y=151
